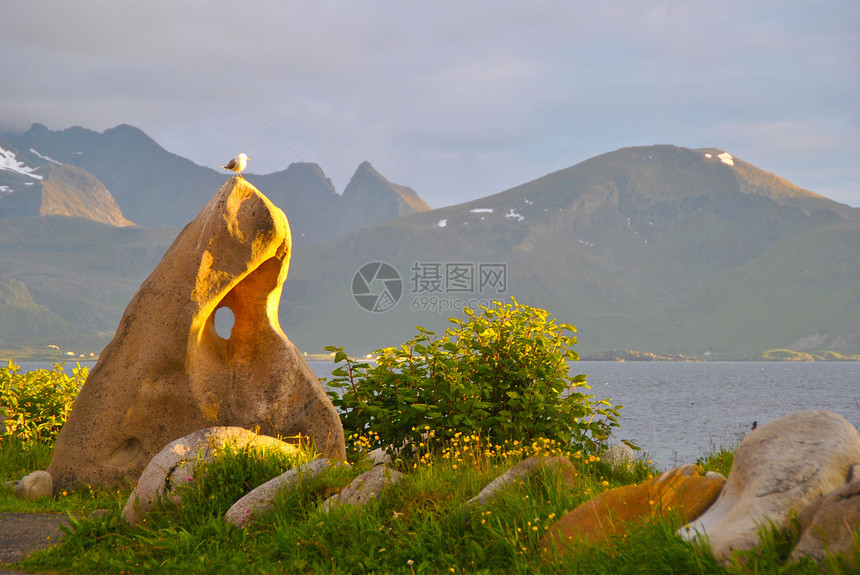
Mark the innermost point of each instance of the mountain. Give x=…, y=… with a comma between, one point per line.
x=83, y=275
x=29, y=320
x=368, y=192
x=65, y=281
x=154, y=187
x=659, y=249
x=53, y=188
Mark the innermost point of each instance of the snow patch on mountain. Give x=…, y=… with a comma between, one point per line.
x=9, y=163
x=513, y=215
x=52, y=160
x=726, y=158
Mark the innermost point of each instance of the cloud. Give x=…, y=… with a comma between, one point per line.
x=455, y=99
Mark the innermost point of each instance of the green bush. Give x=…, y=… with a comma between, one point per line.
x=500, y=373
x=37, y=403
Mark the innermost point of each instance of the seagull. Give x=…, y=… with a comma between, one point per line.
x=237, y=164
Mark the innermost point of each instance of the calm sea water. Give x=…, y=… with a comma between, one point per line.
x=677, y=412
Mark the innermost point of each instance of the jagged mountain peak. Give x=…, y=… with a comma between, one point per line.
x=310, y=174
x=157, y=188
x=377, y=198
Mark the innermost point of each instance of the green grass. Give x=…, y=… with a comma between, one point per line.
x=17, y=460
x=419, y=525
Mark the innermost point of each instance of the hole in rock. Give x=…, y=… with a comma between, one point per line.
x=224, y=320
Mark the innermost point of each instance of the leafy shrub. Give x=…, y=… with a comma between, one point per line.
x=501, y=373
x=37, y=403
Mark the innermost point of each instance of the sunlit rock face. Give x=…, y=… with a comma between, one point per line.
x=168, y=373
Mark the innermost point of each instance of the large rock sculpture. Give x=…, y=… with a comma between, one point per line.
x=168, y=373
x=785, y=465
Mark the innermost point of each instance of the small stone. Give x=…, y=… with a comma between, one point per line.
x=379, y=456
x=365, y=487
x=619, y=454
x=35, y=485
x=525, y=469
x=260, y=500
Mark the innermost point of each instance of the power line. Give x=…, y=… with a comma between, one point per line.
x=277, y=135
x=566, y=150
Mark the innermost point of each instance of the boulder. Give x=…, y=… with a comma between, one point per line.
x=525, y=469
x=682, y=490
x=35, y=485
x=261, y=499
x=786, y=464
x=168, y=373
x=379, y=456
x=829, y=526
x=364, y=488
x=174, y=465
x=619, y=454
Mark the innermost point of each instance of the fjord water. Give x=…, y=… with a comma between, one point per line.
x=679, y=411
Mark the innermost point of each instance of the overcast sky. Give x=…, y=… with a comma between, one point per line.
x=456, y=99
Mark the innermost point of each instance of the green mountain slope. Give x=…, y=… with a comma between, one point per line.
x=79, y=276
x=657, y=249
x=624, y=246
x=802, y=295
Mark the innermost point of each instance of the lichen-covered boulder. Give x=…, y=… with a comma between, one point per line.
x=782, y=466
x=682, y=490
x=168, y=373
x=175, y=465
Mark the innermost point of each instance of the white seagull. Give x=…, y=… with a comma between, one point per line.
x=237, y=164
